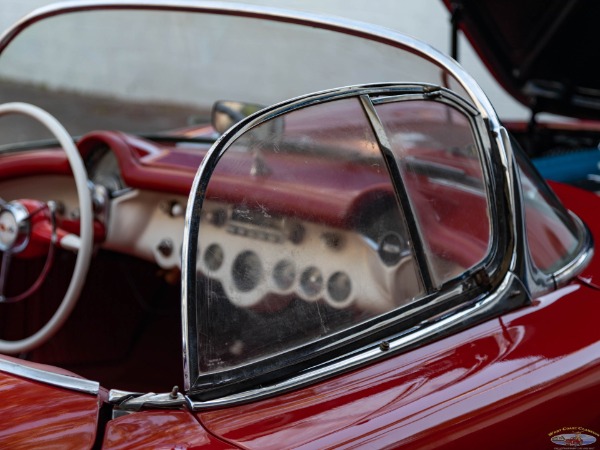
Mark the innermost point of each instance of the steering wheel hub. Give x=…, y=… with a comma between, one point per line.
x=14, y=227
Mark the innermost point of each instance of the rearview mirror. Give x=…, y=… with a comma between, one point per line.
x=226, y=113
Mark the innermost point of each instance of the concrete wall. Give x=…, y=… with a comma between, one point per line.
x=426, y=20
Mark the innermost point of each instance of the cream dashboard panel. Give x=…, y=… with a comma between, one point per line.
x=148, y=225
x=145, y=224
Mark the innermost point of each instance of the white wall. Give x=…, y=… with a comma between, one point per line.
x=427, y=20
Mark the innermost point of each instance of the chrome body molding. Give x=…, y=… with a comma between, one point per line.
x=438, y=326
x=51, y=378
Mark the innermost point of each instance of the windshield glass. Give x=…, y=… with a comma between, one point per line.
x=313, y=243
x=161, y=71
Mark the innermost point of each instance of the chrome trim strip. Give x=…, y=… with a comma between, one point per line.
x=513, y=195
x=574, y=267
x=402, y=196
x=372, y=354
x=51, y=378
x=440, y=94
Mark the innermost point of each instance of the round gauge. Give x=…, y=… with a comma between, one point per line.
x=246, y=271
x=284, y=274
x=311, y=281
x=214, y=256
x=391, y=248
x=339, y=286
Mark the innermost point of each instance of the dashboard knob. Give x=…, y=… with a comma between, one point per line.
x=173, y=208
x=217, y=217
x=165, y=247
x=177, y=209
x=295, y=232
x=391, y=249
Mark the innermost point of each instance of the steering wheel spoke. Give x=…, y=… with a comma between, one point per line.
x=5, y=261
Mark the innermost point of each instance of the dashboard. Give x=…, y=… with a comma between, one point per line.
x=253, y=255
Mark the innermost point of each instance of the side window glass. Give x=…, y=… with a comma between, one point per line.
x=300, y=237
x=551, y=233
x=438, y=158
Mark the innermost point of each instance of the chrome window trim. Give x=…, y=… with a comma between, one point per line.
x=51, y=378
x=535, y=280
x=476, y=311
x=410, y=221
x=447, y=97
x=440, y=93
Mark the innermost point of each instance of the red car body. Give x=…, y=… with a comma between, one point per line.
x=522, y=374
x=492, y=384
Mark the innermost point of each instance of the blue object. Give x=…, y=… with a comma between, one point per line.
x=569, y=167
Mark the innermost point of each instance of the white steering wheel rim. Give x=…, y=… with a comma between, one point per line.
x=84, y=254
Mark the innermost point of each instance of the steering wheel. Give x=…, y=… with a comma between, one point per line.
x=28, y=225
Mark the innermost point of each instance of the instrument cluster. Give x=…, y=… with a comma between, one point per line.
x=257, y=257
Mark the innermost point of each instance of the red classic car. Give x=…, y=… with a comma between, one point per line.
x=371, y=261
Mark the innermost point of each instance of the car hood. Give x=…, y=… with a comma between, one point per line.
x=542, y=51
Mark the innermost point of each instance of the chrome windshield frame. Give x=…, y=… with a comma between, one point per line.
x=457, y=293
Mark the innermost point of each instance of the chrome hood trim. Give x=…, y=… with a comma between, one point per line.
x=51, y=378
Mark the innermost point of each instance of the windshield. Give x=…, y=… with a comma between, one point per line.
x=315, y=241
